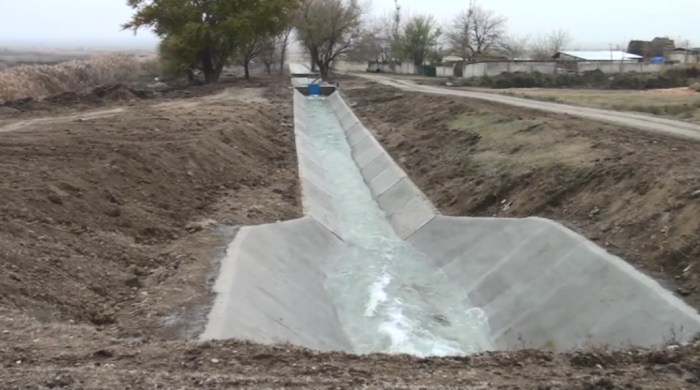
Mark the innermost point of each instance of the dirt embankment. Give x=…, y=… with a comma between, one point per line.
x=116, y=219
x=63, y=356
x=637, y=194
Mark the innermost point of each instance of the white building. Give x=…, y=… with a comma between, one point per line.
x=598, y=56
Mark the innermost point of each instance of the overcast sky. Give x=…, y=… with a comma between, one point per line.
x=593, y=23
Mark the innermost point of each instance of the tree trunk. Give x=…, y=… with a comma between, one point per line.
x=323, y=68
x=246, y=67
x=268, y=68
x=219, y=69
x=283, y=52
x=190, y=76
x=418, y=67
x=313, y=65
x=211, y=72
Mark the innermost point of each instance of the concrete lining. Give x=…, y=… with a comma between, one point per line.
x=275, y=293
x=542, y=284
x=539, y=283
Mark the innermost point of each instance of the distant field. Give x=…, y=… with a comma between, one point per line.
x=676, y=103
x=13, y=56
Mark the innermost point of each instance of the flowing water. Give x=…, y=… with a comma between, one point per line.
x=389, y=296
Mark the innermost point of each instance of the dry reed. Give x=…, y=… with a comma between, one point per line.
x=38, y=81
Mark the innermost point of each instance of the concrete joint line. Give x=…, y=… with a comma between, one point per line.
x=503, y=260
x=524, y=313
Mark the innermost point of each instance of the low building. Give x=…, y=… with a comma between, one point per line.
x=452, y=59
x=684, y=56
x=598, y=56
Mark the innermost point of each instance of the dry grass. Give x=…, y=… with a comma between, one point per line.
x=518, y=146
x=39, y=81
x=676, y=103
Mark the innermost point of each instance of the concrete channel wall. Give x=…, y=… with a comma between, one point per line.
x=312, y=175
x=271, y=285
x=406, y=208
x=539, y=283
x=271, y=288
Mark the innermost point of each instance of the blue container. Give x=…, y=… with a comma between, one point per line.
x=314, y=90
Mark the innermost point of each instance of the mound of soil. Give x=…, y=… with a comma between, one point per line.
x=115, y=220
x=97, y=97
x=637, y=194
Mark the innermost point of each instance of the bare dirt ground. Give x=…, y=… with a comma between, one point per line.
x=61, y=356
x=71, y=356
x=115, y=217
x=635, y=193
x=111, y=225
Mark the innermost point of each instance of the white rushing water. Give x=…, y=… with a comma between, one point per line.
x=389, y=296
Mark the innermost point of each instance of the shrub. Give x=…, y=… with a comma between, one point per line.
x=38, y=81
x=671, y=78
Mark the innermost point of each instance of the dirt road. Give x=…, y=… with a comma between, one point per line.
x=638, y=121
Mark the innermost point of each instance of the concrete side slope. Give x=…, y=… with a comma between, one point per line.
x=316, y=198
x=405, y=206
x=538, y=282
x=271, y=284
x=271, y=287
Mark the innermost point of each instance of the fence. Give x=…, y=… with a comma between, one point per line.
x=495, y=68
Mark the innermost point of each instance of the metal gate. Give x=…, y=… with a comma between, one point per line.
x=429, y=71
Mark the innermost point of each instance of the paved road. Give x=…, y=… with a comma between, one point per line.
x=639, y=121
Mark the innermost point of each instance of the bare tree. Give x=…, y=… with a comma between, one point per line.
x=283, y=43
x=544, y=47
x=250, y=50
x=270, y=52
x=513, y=46
x=459, y=35
x=375, y=42
x=395, y=34
x=475, y=31
x=487, y=29
x=328, y=29
x=558, y=40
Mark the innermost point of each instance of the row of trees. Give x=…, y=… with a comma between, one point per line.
x=203, y=36
x=206, y=35
x=332, y=28
x=473, y=33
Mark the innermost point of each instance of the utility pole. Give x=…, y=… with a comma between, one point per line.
x=687, y=48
